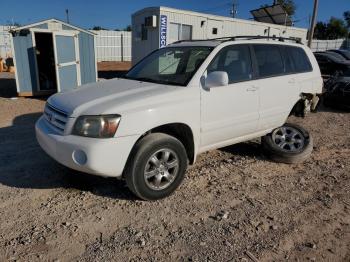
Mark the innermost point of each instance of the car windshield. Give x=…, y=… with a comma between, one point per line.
x=170, y=65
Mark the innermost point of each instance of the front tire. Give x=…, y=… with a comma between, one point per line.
x=156, y=167
x=290, y=144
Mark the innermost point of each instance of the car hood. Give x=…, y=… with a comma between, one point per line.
x=101, y=97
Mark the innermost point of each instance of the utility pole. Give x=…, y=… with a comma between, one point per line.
x=67, y=16
x=234, y=9
x=313, y=23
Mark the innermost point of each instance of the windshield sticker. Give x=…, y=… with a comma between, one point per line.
x=163, y=30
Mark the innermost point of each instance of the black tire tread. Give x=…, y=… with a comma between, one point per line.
x=143, y=145
x=279, y=156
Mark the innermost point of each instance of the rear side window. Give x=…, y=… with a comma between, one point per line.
x=300, y=60
x=269, y=60
x=236, y=61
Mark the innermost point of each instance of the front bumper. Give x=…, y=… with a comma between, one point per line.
x=103, y=157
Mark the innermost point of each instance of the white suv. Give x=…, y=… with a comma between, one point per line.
x=180, y=101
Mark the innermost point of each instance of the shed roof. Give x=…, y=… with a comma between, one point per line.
x=52, y=20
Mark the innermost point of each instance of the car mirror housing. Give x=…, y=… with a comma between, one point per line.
x=216, y=79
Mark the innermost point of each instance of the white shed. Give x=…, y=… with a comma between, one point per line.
x=156, y=27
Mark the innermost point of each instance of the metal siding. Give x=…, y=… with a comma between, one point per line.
x=109, y=45
x=231, y=27
x=87, y=58
x=26, y=69
x=142, y=48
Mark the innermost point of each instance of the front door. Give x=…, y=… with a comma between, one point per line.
x=230, y=112
x=67, y=61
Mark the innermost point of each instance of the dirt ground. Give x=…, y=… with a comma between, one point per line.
x=234, y=205
x=113, y=66
x=108, y=70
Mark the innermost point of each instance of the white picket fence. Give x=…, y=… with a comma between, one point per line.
x=323, y=45
x=5, y=42
x=113, y=45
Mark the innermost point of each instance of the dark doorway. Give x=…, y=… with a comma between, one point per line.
x=45, y=56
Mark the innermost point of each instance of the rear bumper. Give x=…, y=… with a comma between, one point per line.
x=103, y=157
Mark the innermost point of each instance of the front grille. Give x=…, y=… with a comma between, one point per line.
x=56, y=118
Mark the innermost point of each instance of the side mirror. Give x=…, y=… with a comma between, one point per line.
x=216, y=79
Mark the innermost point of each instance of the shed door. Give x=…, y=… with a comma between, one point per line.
x=67, y=61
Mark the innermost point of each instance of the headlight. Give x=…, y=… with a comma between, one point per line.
x=103, y=126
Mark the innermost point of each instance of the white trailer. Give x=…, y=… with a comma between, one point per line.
x=156, y=27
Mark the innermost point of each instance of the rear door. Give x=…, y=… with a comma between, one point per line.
x=67, y=60
x=278, y=86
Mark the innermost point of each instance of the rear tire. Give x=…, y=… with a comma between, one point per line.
x=156, y=167
x=290, y=144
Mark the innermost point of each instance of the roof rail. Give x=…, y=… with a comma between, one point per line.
x=244, y=37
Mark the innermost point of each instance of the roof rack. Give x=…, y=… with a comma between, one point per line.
x=245, y=37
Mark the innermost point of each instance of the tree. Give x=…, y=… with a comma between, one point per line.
x=98, y=28
x=320, y=30
x=128, y=28
x=336, y=28
x=288, y=5
x=347, y=18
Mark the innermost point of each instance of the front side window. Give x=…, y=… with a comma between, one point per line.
x=269, y=60
x=235, y=61
x=170, y=65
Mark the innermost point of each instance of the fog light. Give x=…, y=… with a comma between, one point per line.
x=79, y=157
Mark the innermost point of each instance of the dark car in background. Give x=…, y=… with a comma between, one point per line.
x=344, y=53
x=335, y=69
x=337, y=92
x=331, y=63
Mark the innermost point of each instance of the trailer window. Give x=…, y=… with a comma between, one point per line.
x=179, y=32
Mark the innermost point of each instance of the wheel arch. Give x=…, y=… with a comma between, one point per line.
x=180, y=131
x=307, y=102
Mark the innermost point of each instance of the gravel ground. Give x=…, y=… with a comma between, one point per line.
x=234, y=205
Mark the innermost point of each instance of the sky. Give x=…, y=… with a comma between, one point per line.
x=117, y=14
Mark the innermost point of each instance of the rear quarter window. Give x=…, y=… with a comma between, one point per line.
x=299, y=58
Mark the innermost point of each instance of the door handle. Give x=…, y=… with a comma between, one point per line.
x=252, y=89
x=291, y=81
